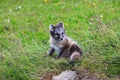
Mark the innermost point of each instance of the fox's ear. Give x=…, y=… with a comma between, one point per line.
x=51, y=27
x=61, y=24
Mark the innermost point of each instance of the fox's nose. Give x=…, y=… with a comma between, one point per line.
x=61, y=39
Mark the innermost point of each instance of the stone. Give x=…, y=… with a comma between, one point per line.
x=66, y=75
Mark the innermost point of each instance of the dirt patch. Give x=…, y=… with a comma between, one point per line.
x=83, y=74
x=86, y=74
x=49, y=75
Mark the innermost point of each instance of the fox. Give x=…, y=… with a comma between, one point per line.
x=62, y=44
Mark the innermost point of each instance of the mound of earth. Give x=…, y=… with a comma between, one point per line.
x=77, y=74
x=70, y=75
x=49, y=75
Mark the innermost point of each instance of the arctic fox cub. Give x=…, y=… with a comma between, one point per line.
x=63, y=44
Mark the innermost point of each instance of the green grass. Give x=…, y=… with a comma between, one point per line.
x=24, y=35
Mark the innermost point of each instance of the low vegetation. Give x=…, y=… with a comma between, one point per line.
x=24, y=35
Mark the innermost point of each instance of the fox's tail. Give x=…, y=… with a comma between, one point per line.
x=74, y=56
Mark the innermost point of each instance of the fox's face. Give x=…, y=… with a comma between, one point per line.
x=57, y=32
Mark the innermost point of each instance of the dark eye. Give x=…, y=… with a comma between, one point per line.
x=56, y=35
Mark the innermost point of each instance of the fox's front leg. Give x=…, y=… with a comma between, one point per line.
x=52, y=50
x=61, y=52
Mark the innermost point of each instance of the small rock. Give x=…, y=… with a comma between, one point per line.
x=66, y=75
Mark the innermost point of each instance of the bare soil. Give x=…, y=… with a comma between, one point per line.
x=84, y=74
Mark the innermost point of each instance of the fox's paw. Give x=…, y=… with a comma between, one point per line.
x=56, y=58
x=71, y=62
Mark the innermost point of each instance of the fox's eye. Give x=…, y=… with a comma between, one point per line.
x=56, y=35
